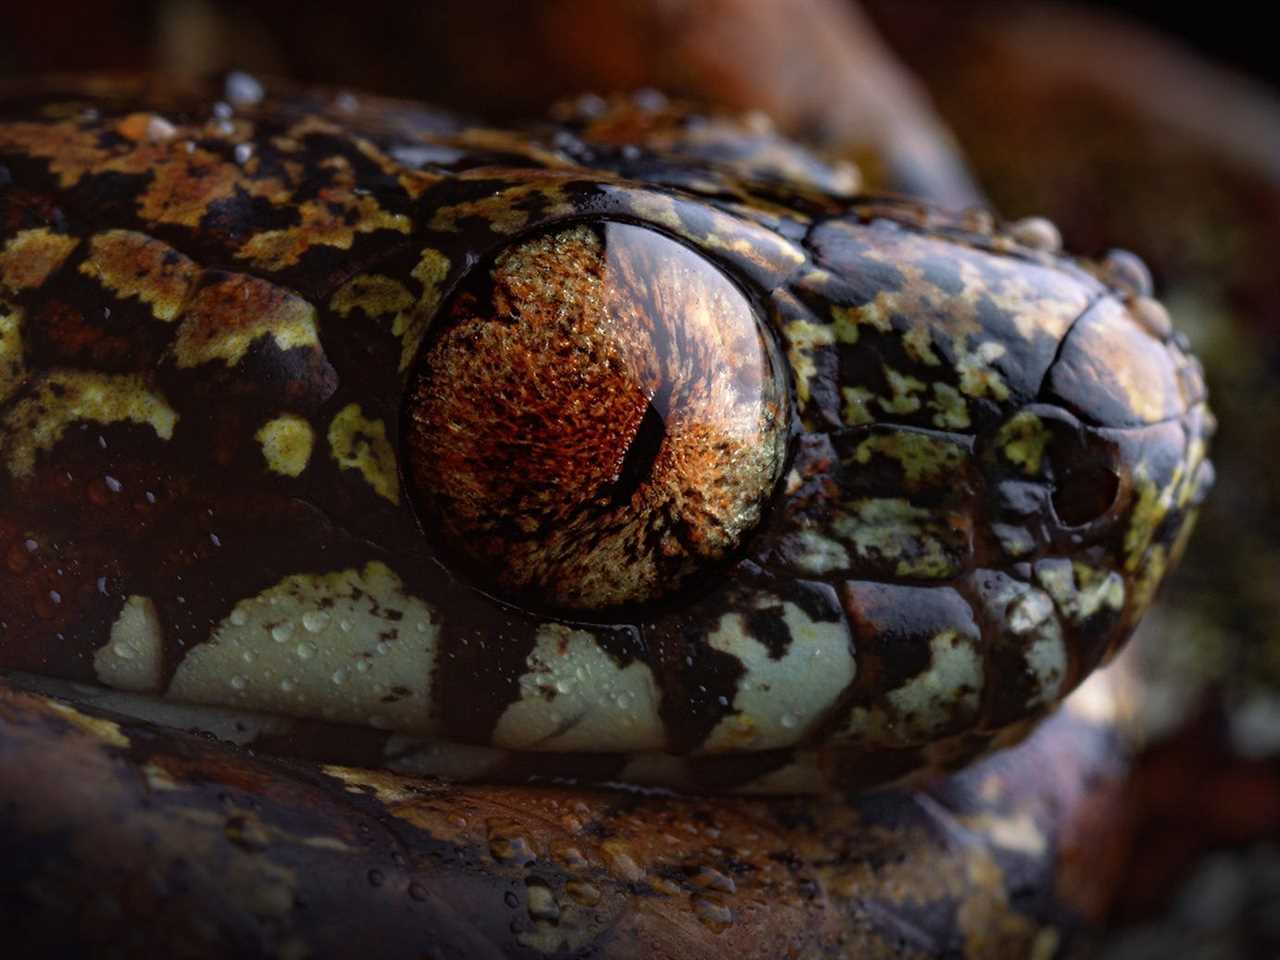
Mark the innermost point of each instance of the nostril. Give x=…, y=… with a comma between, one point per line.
x=1083, y=490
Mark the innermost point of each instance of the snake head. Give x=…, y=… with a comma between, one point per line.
x=634, y=445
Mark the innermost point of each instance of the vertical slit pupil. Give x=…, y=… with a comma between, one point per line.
x=637, y=465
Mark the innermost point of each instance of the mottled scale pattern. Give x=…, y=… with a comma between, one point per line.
x=211, y=311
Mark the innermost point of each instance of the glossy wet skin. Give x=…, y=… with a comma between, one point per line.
x=211, y=327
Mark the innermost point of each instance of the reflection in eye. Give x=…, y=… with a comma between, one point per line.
x=598, y=417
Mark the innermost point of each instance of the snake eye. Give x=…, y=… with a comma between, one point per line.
x=598, y=416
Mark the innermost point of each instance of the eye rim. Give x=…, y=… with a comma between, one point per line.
x=709, y=577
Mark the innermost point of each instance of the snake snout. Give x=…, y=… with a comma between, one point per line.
x=1107, y=468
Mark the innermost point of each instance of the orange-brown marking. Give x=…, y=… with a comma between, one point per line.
x=131, y=264
x=30, y=257
x=333, y=219
x=228, y=314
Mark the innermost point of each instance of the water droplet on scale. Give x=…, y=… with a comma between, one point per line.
x=242, y=89
x=542, y=903
x=1038, y=233
x=314, y=621
x=713, y=914
x=618, y=856
x=160, y=130
x=509, y=847
x=584, y=893
x=713, y=879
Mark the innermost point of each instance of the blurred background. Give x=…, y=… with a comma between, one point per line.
x=1147, y=126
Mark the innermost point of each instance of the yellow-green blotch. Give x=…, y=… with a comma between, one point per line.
x=361, y=444
x=286, y=444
